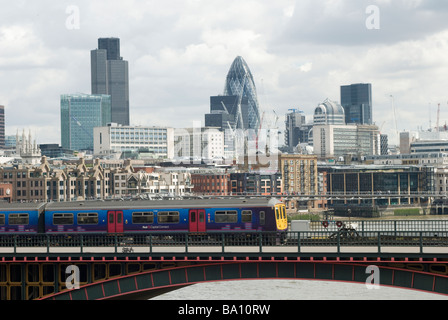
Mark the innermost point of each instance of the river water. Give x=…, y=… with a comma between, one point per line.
x=293, y=290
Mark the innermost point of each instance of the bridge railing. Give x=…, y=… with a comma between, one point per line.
x=257, y=242
x=382, y=225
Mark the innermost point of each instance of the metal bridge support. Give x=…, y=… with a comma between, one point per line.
x=28, y=280
x=172, y=275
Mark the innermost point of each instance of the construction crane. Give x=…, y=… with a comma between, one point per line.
x=438, y=119
x=382, y=125
x=276, y=119
x=395, y=117
x=259, y=131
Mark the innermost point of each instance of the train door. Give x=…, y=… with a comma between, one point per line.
x=115, y=221
x=197, y=220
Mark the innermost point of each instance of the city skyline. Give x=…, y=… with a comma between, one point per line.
x=299, y=52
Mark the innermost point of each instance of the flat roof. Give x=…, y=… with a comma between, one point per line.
x=22, y=206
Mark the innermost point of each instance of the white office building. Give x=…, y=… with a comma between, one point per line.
x=199, y=144
x=334, y=141
x=157, y=141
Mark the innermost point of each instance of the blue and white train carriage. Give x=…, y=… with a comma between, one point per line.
x=196, y=216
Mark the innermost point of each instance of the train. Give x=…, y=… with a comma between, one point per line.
x=151, y=216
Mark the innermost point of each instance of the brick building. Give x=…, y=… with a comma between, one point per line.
x=211, y=183
x=5, y=192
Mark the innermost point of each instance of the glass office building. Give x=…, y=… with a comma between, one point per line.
x=240, y=82
x=80, y=113
x=357, y=102
x=112, y=46
x=387, y=185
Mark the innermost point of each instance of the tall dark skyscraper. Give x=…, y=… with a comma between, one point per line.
x=357, y=102
x=112, y=46
x=110, y=76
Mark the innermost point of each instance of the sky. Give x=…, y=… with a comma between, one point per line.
x=179, y=52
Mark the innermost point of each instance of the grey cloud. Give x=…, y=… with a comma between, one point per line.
x=343, y=23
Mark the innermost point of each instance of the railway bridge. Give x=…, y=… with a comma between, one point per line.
x=141, y=266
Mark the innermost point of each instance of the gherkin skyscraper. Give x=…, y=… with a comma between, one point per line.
x=240, y=83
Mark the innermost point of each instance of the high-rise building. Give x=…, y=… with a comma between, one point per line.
x=240, y=82
x=329, y=112
x=357, y=102
x=2, y=127
x=297, y=131
x=224, y=110
x=110, y=76
x=80, y=113
x=112, y=46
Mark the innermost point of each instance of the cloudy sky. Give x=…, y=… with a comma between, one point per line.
x=179, y=52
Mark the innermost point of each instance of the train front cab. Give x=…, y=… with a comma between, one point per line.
x=280, y=217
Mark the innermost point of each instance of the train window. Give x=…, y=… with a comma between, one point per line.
x=226, y=217
x=262, y=218
x=2, y=219
x=277, y=215
x=142, y=217
x=19, y=219
x=63, y=219
x=168, y=217
x=246, y=216
x=88, y=218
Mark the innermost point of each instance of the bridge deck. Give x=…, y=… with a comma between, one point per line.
x=225, y=250
x=424, y=243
